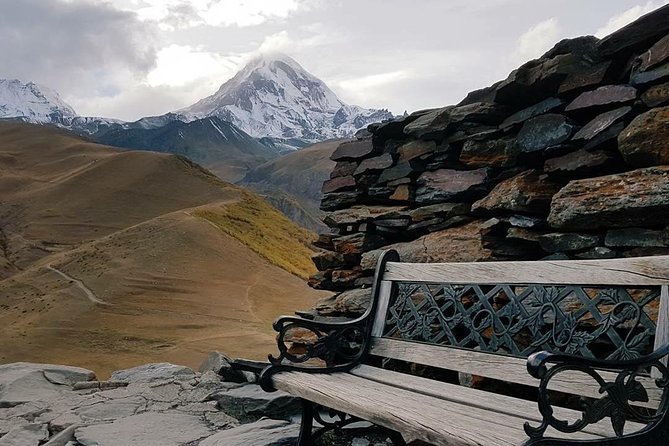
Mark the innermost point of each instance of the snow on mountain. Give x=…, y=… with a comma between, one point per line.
x=32, y=102
x=273, y=96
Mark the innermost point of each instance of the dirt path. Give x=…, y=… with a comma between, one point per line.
x=82, y=286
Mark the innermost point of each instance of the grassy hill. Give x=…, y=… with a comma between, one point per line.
x=293, y=182
x=109, y=258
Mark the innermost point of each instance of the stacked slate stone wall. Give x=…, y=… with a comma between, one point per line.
x=567, y=158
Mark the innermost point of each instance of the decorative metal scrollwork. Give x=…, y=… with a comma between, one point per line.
x=618, y=395
x=611, y=322
x=326, y=347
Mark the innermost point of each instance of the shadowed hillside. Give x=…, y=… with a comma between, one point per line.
x=293, y=182
x=107, y=261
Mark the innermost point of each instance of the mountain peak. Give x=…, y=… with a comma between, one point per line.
x=273, y=95
x=31, y=102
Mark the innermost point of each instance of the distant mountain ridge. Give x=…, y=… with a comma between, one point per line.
x=273, y=96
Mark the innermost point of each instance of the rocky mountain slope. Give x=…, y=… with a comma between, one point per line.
x=110, y=258
x=292, y=183
x=566, y=158
x=218, y=145
x=273, y=96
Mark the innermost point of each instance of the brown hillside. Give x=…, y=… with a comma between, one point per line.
x=107, y=262
x=293, y=182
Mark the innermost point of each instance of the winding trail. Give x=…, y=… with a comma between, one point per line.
x=82, y=286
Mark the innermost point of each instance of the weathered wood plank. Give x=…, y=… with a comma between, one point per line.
x=500, y=367
x=637, y=271
x=436, y=421
x=382, y=308
x=527, y=410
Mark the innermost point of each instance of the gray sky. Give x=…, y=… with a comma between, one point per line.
x=132, y=58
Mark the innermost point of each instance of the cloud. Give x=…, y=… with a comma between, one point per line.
x=178, y=65
x=626, y=17
x=537, y=40
x=183, y=14
x=74, y=47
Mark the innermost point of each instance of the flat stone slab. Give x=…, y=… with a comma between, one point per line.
x=631, y=199
x=153, y=372
x=264, y=432
x=22, y=382
x=147, y=429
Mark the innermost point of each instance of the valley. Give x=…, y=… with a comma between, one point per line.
x=114, y=258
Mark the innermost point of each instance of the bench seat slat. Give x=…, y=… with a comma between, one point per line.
x=436, y=421
x=500, y=367
x=639, y=271
x=524, y=409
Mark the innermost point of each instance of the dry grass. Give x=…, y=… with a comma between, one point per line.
x=265, y=231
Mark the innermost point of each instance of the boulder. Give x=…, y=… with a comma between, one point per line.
x=146, y=429
x=337, y=184
x=352, y=150
x=249, y=403
x=448, y=184
x=325, y=260
x=528, y=192
x=396, y=172
x=349, y=303
x=642, y=32
x=357, y=243
x=656, y=95
x=264, y=432
x=222, y=365
x=636, y=198
x=497, y=152
x=656, y=55
x=636, y=237
x=645, y=141
x=598, y=252
x=544, y=131
x=457, y=244
x=444, y=210
x=339, y=200
x=586, y=77
x=560, y=242
x=377, y=163
x=601, y=123
x=580, y=163
x=345, y=278
x=431, y=125
x=29, y=435
x=360, y=214
x=530, y=112
x=22, y=382
x=343, y=169
x=154, y=372
x=415, y=149
x=606, y=139
x=603, y=96
x=654, y=76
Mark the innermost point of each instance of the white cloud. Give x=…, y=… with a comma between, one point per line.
x=181, y=14
x=627, y=17
x=366, y=89
x=537, y=40
x=178, y=65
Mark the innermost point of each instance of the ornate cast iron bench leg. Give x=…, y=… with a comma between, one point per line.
x=617, y=401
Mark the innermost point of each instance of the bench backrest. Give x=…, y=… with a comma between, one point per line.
x=493, y=315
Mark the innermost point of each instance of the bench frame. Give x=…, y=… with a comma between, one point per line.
x=333, y=347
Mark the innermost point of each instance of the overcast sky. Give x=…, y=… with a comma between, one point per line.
x=132, y=58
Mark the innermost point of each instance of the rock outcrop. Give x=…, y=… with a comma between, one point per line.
x=150, y=405
x=568, y=157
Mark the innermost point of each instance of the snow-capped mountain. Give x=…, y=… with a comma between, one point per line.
x=273, y=96
x=32, y=102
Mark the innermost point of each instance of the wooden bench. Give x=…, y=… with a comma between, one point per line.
x=604, y=382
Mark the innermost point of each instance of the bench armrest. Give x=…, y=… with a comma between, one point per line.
x=328, y=346
x=618, y=384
